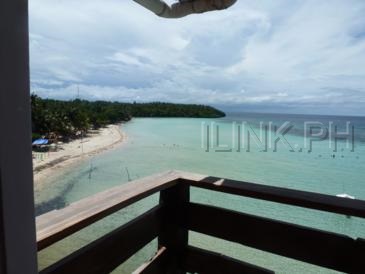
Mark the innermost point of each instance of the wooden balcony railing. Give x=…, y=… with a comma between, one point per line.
x=174, y=216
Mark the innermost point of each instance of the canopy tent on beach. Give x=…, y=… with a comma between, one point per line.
x=40, y=142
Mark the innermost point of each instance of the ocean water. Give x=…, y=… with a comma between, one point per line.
x=322, y=154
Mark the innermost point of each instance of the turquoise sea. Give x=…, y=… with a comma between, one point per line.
x=220, y=147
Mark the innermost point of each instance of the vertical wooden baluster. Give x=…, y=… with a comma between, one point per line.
x=174, y=235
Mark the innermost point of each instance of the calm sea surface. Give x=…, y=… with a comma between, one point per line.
x=323, y=154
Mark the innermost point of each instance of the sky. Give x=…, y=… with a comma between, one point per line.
x=286, y=56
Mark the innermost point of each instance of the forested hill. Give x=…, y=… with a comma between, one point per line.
x=158, y=109
x=66, y=118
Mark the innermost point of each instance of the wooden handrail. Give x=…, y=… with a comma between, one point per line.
x=176, y=215
x=58, y=224
x=312, y=200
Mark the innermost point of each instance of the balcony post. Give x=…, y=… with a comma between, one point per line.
x=18, y=252
x=174, y=235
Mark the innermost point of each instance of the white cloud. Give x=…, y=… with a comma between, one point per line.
x=284, y=53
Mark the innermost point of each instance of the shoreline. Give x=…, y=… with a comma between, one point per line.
x=51, y=164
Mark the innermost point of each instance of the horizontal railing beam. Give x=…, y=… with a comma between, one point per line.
x=202, y=261
x=58, y=224
x=111, y=250
x=156, y=265
x=312, y=200
x=314, y=246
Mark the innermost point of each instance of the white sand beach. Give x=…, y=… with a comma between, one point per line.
x=49, y=164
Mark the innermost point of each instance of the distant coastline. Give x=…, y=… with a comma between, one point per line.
x=56, y=120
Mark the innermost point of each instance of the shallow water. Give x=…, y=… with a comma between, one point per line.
x=154, y=145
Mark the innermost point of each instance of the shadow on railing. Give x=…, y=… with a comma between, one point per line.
x=171, y=220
